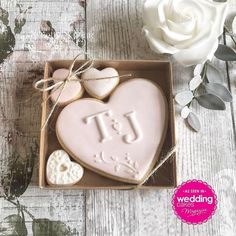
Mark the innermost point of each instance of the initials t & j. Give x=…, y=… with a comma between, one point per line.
x=98, y=118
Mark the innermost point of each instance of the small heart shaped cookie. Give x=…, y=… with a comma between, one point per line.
x=100, y=88
x=61, y=170
x=70, y=93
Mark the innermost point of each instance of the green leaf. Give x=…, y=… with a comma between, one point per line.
x=17, y=180
x=4, y=16
x=13, y=225
x=46, y=227
x=213, y=74
x=185, y=112
x=198, y=69
x=195, y=82
x=219, y=90
x=225, y=53
x=194, y=122
x=211, y=101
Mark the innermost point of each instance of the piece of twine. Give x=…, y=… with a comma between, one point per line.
x=44, y=85
x=163, y=160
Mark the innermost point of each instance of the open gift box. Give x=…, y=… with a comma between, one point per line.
x=159, y=72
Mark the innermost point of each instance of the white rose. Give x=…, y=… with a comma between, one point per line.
x=188, y=29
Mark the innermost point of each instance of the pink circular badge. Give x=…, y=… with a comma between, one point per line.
x=194, y=202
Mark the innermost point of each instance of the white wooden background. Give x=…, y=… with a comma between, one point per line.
x=111, y=29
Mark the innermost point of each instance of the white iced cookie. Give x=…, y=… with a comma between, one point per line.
x=100, y=89
x=71, y=92
x=61, y=170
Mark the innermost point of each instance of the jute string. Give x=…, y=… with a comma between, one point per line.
x=44, y=85
x=163, y=160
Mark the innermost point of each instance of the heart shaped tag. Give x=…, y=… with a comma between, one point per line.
x=61, y=170
x=120, y=139
x=100, y=88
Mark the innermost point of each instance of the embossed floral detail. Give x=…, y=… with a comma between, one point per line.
x=128, y=165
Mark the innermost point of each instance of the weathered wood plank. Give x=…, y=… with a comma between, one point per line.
x=20, y=120
x=114, y=31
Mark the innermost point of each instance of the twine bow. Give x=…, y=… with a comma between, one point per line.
x=73, y=75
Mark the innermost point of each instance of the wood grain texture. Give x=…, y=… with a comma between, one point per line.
x=20, y=120
x=111, y=29
x=114, y=32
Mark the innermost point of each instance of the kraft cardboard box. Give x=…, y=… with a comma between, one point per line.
x=159, y=72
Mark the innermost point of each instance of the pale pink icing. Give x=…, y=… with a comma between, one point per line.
x=100, y=88
x=72, y=91
x=124, y=140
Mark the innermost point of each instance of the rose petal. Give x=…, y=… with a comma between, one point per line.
x=150, y=16
x=174, y=38
x=204, y=31
x=183, y=27
x=202, y=52
x=218, y=16
x=158, y=46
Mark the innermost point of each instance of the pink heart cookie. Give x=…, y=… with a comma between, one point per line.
x=70, y=93
x=121, y=139
x=100, y=89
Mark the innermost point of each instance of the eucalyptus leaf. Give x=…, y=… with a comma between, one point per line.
x=185, y=112
x=213, y=74
x=234, y=25
x=225, y=53
x=13, y=225
x=195, y=82
x=211, y=101
x=198, y=69
x=183, y=98
x=220, y=91
x=194, y=122
x=46, y=227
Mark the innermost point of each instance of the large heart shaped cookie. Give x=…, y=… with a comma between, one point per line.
x=120, y=139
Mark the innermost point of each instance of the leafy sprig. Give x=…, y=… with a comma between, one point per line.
x=206, y=88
